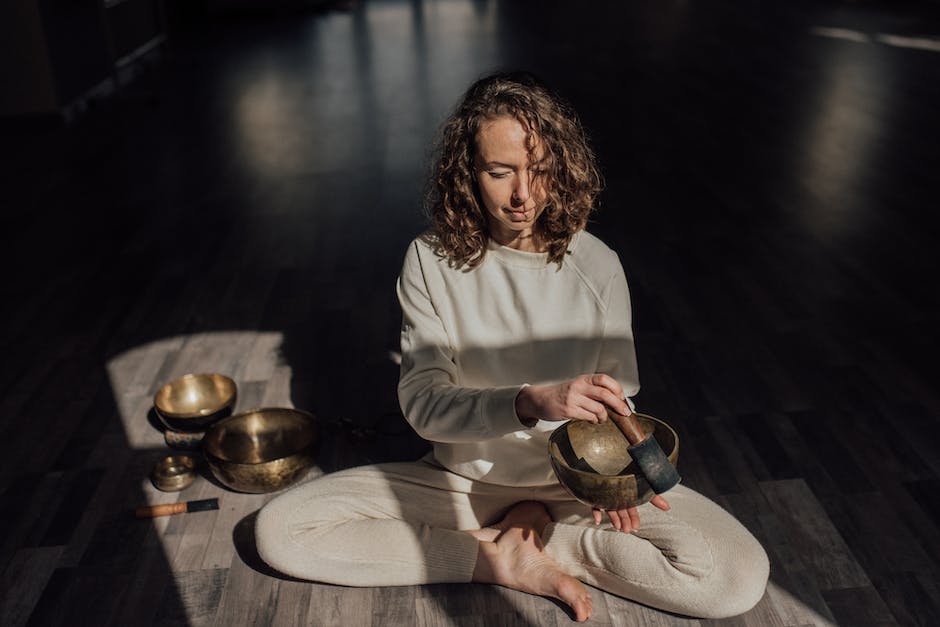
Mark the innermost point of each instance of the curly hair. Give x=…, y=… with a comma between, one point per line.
x=459, y=222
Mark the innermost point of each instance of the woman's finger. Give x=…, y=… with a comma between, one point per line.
x=579, y=413
x=609, y=399
x=598, y=516
x=660, y=502
x=623, y=516
x=607, y=390
x=615, y=519
x=634, y=515
x=606, y=381
x=598, y=410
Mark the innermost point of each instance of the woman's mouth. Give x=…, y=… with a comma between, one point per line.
x=520, y=215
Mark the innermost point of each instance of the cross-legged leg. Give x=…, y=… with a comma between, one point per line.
x=409, y=524
x=388, y=524
x=696, y=559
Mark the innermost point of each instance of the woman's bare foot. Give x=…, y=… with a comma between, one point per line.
x=525, y=514
x=517, y=560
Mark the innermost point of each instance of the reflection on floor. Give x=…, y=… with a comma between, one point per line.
x=244, y=207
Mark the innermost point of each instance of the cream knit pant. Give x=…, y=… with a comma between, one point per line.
x=399, y=524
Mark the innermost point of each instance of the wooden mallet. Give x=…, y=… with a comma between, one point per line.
x=646, y=452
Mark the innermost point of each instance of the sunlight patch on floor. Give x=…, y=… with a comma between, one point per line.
x=931, y=44
x=251, y=358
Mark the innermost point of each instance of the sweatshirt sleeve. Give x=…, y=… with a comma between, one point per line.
x=618, y=353
x=429, y=390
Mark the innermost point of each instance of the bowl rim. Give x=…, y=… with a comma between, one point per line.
x=554, y=459
x=219, y=424
x=202, y=413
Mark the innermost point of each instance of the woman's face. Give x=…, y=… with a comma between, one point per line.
x=510, y=184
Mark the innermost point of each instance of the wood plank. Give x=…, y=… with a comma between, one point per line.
x=195, y=529
x=810, y=531
x=92, y=424
x=78, y=492
x=792, y=596
x=913, y=598
x=192, y=598
x=393, y=605
x=52, y=606
x=916, y=445
x=277, y=392
x=877, y=547
x=293, y=604
x=99, y=505
x=233, y=508
x=23, y=581
x=247, y=599
x=150, y=589
x=789, y=604
x=792, y=590
x=743, y=462
x=17, y=509
x=859, y=606
x=772, y=455
x=625, y=613
x=338, y=605
x=263, y=357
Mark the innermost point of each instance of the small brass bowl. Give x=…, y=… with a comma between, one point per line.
x=592, y=463
x=262, y=450
x=195, y=401
x=173, y=473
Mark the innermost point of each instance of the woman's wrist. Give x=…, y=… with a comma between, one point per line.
x=524, y=406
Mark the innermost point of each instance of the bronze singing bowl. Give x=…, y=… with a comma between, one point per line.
x=592, y=463
x=262, y=450
x=173, y=473
x=194, y=401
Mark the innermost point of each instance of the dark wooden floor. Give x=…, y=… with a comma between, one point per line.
x=244, y=205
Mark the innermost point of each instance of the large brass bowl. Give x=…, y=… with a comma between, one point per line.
x=262, y=450
x=592, y=463
x=195, y=401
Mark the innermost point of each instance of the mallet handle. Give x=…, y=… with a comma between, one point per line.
x=167, y=509
x=629, y=426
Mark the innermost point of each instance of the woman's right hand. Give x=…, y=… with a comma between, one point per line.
x=585, y=397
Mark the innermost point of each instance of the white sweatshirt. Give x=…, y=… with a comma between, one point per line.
x=470, y=340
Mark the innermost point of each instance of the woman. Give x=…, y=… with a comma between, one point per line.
x=514, y=319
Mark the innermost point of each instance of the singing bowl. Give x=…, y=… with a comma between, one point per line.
x=261, y=450
x=173, y=473
x=195, y=401
x=592, y=463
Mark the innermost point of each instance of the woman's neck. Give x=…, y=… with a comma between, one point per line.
x=526, y=241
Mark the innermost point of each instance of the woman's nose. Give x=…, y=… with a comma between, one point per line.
x=521, y=193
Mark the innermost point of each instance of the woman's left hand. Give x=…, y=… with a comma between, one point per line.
x=628, y=520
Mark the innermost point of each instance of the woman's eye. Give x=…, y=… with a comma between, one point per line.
x=498, y=175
